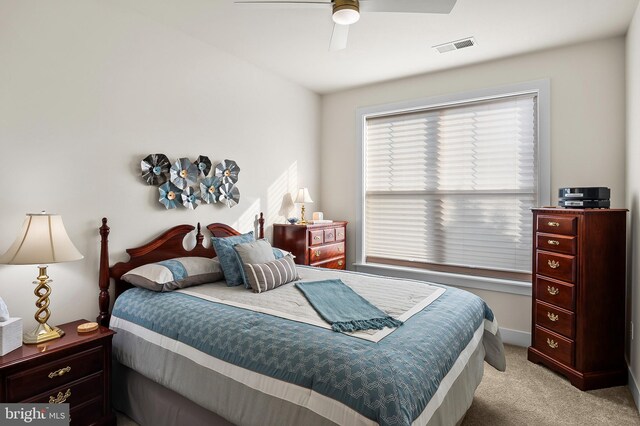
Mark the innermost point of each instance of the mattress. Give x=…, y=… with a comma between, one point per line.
x=269, y=359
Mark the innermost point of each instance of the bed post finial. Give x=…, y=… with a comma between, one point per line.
x=199, y=236
x=103, y=278
x=261, y=226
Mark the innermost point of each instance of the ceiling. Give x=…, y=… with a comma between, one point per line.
x=293, y=42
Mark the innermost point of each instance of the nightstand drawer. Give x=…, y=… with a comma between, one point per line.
x=316, y=237
x=557, y=243
x=53, y=374
x=555, y=319
x=318, y=254
x=73, y=393
x=88, y=412
x=560, y=266
x=339, y=263
x=556, y=292
x=566, y=225
x=554, y=345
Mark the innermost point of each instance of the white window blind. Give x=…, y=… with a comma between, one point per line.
x=452, y=186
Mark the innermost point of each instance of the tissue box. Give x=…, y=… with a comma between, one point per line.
x=10, y=335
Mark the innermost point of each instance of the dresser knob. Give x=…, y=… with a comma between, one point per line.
x=340, y=263
x=316, y=238
x=60, y=398
x=554, y=224
x=552, y=343
x=60, y=372
x=552, y=317
x=553, y=242
x=552, y=290
x=553, y=264
x=318, y=253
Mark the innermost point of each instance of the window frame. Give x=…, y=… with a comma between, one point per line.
x=541, y=88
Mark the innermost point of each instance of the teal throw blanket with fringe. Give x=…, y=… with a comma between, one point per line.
x=343, y=308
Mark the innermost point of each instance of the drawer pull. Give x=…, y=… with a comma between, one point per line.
x=553, y=242
x=552, y=343
x=329, y=235
x=554, y=224
x=340, y=263
x=553, y=264
x=316, y=238
x=60, y=398
x=318, y=253
x=552, y=317
x=552, y=290
x=339, y=249
x=340, y=234
x=60, y=372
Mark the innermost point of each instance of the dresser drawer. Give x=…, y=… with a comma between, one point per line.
x=339, y=263
x=560, y=266
x=316, y=237
x=318, y=254
x=556, y=292
x=557, y=243
x=53, y=374
x=340, y=234
x=555, y=319
x=566, y=225
x=329, y=235
x=557, y=347
x=73, y=393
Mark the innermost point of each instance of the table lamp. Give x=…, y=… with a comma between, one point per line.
x=43, y=240
x=303, y=197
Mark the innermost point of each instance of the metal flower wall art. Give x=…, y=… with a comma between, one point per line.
x=189, y=184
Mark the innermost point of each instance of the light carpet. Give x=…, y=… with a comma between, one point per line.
x=529, y=394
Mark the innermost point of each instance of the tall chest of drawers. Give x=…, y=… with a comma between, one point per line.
x=323, y=245
x=578, y=312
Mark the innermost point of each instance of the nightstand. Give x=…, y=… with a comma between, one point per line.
x=323, y=245
x=75, y=369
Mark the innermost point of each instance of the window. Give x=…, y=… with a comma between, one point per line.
x=450, y=187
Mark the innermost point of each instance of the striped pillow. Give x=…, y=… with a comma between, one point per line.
x=267, y=276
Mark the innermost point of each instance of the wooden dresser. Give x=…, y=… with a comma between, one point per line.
x=578, y=313
x=322, y=245
x=75, y=369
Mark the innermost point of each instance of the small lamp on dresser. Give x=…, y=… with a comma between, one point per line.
x=303, y=197
x=43, y=240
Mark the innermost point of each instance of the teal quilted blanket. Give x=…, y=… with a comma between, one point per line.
x=390, y=382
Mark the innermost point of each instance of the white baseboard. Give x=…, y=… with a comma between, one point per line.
x=515, y=337
x=633, y=387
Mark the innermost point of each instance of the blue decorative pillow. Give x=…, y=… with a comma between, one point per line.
x=229, y=262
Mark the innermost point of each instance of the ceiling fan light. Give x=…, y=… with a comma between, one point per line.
x=346, y=15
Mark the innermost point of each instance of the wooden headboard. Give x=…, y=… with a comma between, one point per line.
x=168, y=245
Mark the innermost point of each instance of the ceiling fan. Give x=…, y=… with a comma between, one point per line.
x=347, y=12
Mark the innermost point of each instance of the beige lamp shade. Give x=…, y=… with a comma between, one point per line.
x=303, y=196
x=43, y=240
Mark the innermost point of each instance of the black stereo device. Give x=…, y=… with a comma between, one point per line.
x=596, y=197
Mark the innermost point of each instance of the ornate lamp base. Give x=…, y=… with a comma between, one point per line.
x=302, y=221
x=42, y=333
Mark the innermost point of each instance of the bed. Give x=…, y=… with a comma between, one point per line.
x=219, y=355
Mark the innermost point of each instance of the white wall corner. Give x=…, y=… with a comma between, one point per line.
x=518, y=338
x=633, y=387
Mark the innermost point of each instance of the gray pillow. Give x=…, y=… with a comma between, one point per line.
x=173, y=274
x=253, y=252
x=270, y=275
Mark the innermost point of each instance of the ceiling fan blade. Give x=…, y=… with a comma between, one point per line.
x=339, y=37
x=407, y=6
x=285, y=3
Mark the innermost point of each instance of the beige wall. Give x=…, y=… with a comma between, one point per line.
x=633, y=194
x=86, y=91
x=587, y=129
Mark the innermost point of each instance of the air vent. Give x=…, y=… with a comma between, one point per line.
x=455, y=45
